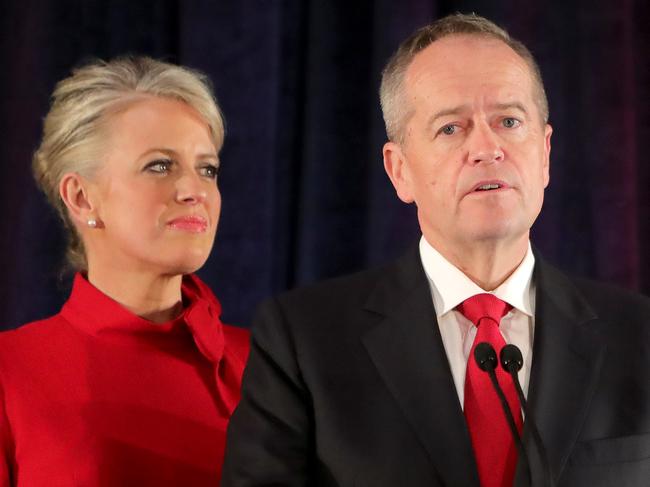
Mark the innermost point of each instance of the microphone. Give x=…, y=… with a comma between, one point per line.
x=486, y=359
x=512, y=361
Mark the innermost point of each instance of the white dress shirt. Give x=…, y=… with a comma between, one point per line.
x=450, y=287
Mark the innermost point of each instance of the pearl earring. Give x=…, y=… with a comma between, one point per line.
x=92, y=223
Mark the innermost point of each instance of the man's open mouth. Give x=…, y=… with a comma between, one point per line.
x=489, y=187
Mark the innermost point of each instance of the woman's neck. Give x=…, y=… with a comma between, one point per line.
x=152, y=296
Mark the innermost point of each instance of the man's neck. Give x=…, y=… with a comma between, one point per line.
x=487, y=264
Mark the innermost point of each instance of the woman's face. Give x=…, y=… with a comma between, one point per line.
x=156, y=194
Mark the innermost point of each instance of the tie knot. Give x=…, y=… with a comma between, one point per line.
x=482, y=306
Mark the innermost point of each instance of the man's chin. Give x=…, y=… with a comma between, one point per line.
x=496, y=231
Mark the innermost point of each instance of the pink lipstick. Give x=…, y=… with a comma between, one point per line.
x=193, y=224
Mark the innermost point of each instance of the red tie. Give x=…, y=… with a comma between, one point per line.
x=494, y=446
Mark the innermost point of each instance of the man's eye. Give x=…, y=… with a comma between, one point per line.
x=161, y=166
x=209, y=171
x=448, y=129
x=510, y=122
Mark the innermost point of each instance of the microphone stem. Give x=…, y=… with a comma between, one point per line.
x=548, y=480
x=511, y=420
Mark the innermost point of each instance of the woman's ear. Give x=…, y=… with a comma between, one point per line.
x=75, y=192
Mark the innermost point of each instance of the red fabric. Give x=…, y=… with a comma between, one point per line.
x=97, y=396
x=494, y=446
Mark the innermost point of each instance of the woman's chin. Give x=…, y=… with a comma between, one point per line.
x=186, y=263
x=188, y=266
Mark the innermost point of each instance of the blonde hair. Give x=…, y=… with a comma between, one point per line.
x=395, y=108
x=74, y=130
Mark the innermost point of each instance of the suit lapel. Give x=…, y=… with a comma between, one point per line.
x=567, y=360
x=408, y=352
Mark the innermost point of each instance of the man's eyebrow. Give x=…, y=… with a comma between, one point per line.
x=513, y=105
x=446, y=112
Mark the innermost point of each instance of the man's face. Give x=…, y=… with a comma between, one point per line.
x=475, y=153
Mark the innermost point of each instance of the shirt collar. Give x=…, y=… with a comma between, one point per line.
x=450, y=286
x=95, y=313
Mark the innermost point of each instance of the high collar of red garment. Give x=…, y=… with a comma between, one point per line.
x=98, y=315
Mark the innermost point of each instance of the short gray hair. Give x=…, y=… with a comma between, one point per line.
x=394, y=106
x=74, y=130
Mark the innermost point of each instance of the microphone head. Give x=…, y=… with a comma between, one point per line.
x=485, y=356
x=511, y=358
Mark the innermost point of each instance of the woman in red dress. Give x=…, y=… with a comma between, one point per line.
x=134, y=380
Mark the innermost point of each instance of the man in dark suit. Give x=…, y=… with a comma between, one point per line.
x=370, y=379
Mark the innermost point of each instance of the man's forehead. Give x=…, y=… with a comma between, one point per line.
x=460, y=63
x=446, y=47
x=464, y=54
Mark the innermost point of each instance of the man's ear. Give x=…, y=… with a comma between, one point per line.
x=398, y=171
x=75, y=193
x=548, y=131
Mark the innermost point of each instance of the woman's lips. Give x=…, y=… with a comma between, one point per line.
x=193, y=224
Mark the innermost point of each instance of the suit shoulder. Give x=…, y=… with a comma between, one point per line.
x=609, y=299
x=334, y=294
x=318, y=312
x=608, y=291
x=349, y=301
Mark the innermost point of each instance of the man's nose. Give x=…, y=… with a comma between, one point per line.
x=484, y=145
x=190, y=188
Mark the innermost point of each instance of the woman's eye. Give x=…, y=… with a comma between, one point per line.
x=209, y=171
x=161, y=166
x=510, y=122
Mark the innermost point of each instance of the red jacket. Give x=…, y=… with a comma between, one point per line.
x=98, y=396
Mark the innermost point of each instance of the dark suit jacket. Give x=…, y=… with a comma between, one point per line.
x=348, y=385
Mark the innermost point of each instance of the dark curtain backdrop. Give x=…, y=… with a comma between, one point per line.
x=304, y=192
